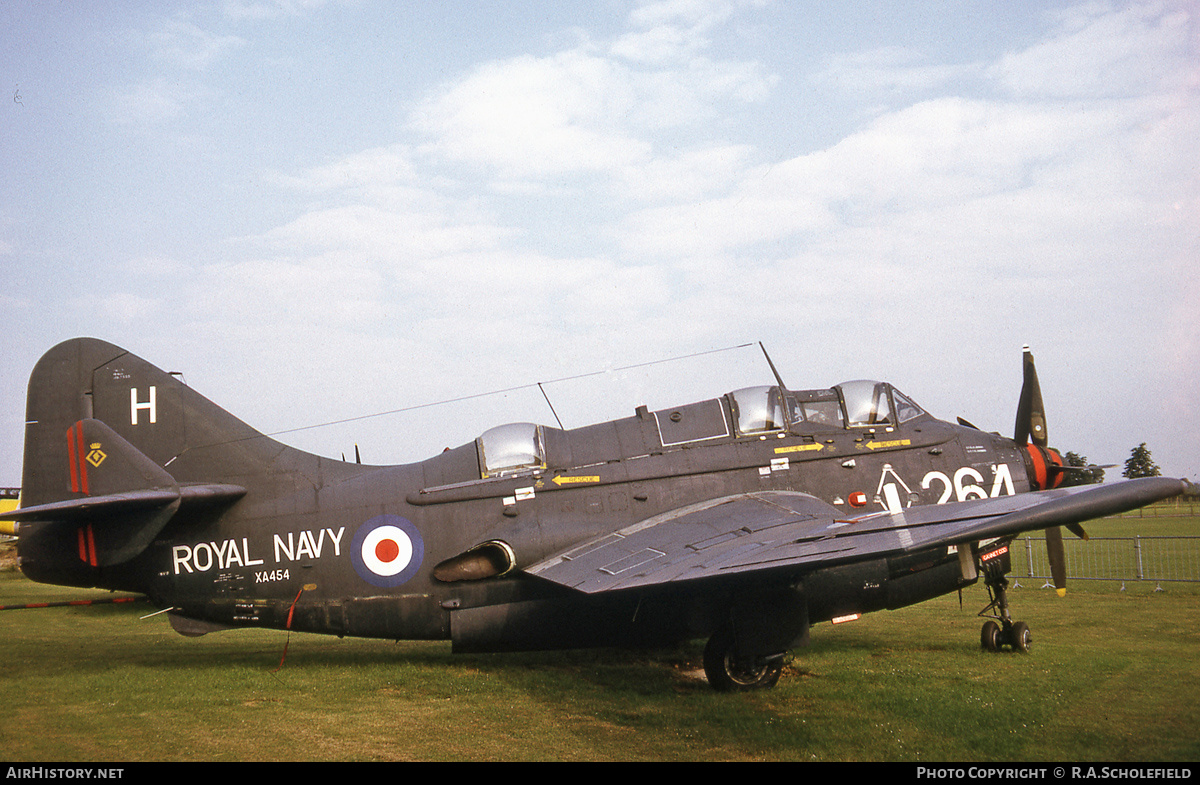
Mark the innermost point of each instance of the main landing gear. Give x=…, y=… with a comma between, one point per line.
x=729, y=672
x=1000, y=630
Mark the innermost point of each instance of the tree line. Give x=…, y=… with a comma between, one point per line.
x=1139, y=464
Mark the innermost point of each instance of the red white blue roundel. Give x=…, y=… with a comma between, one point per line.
x=387, y=551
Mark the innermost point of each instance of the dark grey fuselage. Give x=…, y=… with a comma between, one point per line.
x=287, y=549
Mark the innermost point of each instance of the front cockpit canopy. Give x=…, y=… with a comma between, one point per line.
x=867, y=403
x=871, y=403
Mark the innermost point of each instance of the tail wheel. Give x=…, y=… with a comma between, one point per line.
x=728, y=672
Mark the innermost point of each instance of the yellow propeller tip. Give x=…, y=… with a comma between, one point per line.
x=1061, y=592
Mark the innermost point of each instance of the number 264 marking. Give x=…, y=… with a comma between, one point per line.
x=967, y=484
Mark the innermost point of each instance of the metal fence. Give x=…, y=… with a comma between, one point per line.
x=1179, y=507
x=1149, y=559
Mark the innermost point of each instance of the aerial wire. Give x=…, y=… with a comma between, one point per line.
x=505, y=390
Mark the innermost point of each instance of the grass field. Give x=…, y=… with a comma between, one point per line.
x=1113, y=676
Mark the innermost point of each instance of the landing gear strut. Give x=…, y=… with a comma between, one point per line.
x=1000, y=630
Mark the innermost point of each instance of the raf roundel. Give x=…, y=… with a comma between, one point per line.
x=387, y=551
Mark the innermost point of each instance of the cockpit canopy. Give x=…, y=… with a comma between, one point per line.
x=757, y=409
x=871, y=403
x=851, y=404
x=519, y=448
x=815, y=410
x=511, y=448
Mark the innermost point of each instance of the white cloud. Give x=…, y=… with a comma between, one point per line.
x=299, y=296
x=694, y=14
x=953, y=219
x=536, y=117
x=687, y=176
x=181, y=43
x=888, y=73
x=152, y=102
x=674, y=30
x=1105, y=53
x=412, y=228
x=582, y=110
x=367, y=170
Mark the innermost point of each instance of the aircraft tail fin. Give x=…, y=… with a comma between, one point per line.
x=114, y=447
x=85, y=391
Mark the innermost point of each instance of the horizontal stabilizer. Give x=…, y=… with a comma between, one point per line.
x=113, y=504
x=129, y=502
x=120, y=499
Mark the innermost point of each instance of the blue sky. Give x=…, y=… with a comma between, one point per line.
x=322, y=210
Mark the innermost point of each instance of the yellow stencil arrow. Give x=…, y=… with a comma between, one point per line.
x=799, y=448
x=561, y=481
x=894, y=443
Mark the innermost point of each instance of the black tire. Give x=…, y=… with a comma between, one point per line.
x=1022, y=639
x=729, y=673
x=989, y=636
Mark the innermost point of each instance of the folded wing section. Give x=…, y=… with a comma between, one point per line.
x=779, y=531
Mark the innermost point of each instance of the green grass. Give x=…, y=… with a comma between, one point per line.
x=1157, y=521
x=1112, y=677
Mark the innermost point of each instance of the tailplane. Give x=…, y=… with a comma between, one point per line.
x=116, y=448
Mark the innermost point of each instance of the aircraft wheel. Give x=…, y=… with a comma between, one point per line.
x=1022, y=640
x=729, y=673
x=989, y=637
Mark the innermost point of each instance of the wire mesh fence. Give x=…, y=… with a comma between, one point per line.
x=1151, y=559
x=1179, y=507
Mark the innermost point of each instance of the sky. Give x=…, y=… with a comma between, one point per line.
x=345, y=221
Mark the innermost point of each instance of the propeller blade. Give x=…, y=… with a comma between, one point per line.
x=1078, y=531
x=1031, y=414
x=1090, y=467
x=1058, y=559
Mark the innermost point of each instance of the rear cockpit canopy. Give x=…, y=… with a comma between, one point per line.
x=512, y=448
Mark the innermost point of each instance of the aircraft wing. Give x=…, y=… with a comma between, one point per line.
x=780, y=531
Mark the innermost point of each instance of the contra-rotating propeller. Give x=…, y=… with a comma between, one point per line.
x=1031, y=413
x=1045, y=466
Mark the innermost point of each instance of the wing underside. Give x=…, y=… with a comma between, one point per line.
x=780, y=531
